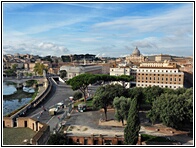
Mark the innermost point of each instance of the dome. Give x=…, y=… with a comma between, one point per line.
x=136, y=52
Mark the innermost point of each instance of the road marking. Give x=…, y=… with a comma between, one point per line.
x=49, y=120
x=36, y=114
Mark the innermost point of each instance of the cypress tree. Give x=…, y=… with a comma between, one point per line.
x=132, y=128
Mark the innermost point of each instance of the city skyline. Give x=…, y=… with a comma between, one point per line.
x=104, y=29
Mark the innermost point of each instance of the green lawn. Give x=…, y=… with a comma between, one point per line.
x=15, y=136
x=88, y=103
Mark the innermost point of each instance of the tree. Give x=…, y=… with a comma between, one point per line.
x=57, y=139
x=124, y=78
x=137, y=92
x=150, y=93
x=174, y=110
x=82, y=82
x=132, y=128
x=77, y=95
x=121, y=106
x=63, y=74
x=39, y=68
x=105, y=95
x=14, y=67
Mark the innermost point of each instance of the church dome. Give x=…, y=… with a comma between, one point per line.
x=136, y=52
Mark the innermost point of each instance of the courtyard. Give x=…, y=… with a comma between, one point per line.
x=92, y=122
x=17, y=136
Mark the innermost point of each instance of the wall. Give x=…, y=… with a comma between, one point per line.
x=7, y=122
x=41, y=137
x=96, y=140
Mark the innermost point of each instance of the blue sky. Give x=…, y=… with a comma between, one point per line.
x=103, y=29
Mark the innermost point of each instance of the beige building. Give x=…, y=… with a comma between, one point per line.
x=73, y=71
x=29, y=66
x=164, y=75
x=162, y=57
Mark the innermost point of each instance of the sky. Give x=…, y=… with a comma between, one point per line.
x=103, y=29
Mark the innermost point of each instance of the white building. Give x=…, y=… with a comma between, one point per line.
x=73, y=71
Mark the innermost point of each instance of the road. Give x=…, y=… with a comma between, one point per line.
x=60, y=92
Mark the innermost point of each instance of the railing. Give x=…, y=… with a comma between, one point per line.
x=35, y=102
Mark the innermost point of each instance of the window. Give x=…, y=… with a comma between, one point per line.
x=146, y=78
x=170, y=79
x=85, y=141
x=95, y=142
x=179, y=79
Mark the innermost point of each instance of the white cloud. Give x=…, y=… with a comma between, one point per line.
x=42, y=49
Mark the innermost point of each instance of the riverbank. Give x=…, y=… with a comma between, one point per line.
x=19, y=94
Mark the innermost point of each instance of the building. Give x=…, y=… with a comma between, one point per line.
x=124, y=69
x=162, y=57
x=135, y=56
x=76, y=70
x=162, y=74
x=42, y=130
x=96, y=139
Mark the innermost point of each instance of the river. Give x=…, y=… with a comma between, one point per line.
x=9, y=105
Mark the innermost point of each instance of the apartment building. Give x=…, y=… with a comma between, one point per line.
x=162, y=74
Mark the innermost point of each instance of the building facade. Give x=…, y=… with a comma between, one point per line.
x=124, y=70
x=163, y=75
x=73, y=71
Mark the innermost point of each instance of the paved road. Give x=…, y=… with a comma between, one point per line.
x=58, y=94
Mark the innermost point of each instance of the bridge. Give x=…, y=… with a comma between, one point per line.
x=22, y=79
